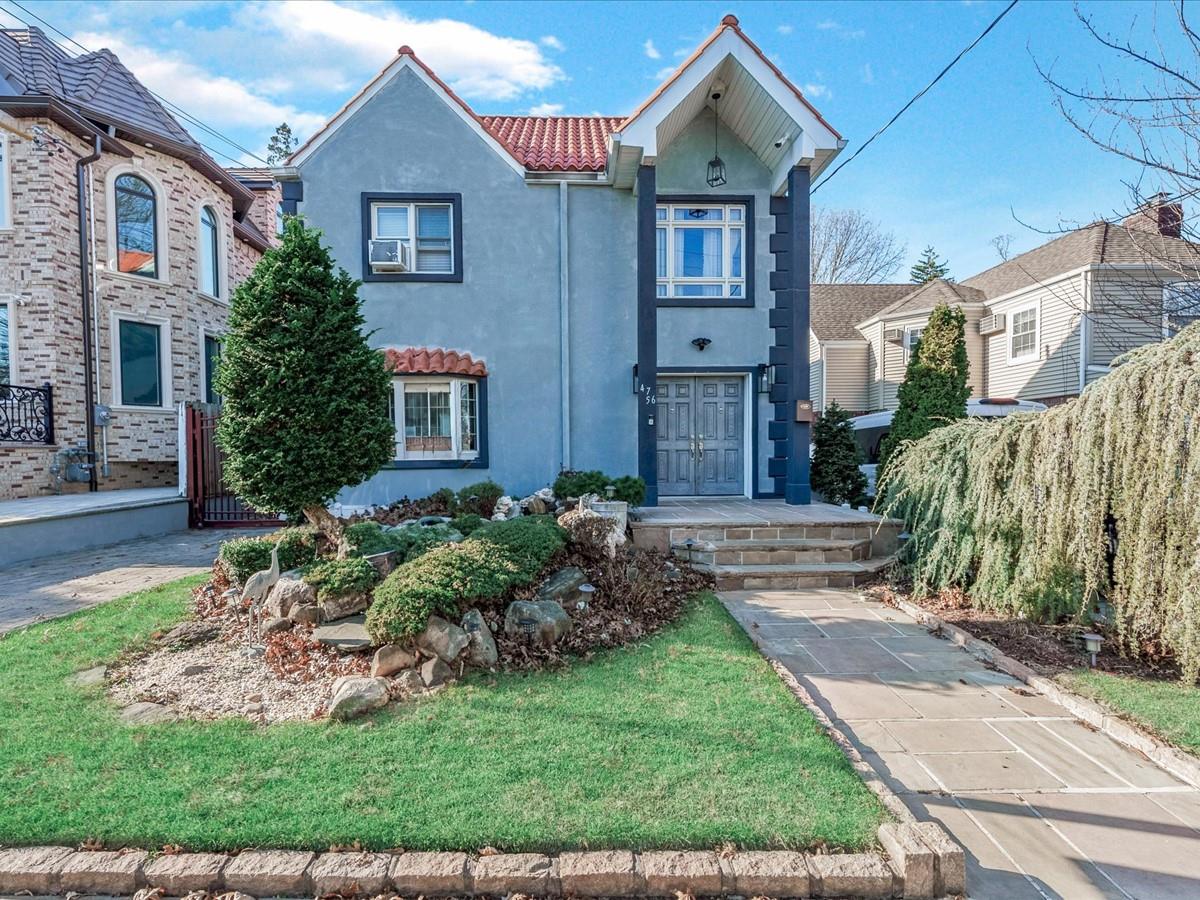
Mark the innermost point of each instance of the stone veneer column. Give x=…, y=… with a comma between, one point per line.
x=647, y=333
x=789, y=463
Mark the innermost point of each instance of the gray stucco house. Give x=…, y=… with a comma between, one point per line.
x=626, y=294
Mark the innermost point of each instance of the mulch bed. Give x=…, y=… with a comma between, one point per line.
x=1047, y=649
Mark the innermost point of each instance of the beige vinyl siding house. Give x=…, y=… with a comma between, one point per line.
x=843, y=365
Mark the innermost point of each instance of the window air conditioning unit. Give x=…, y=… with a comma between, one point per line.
x=389, y=256
x=894, y=335
x=992, y=324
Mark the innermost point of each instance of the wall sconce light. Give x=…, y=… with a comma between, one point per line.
x=635, y=380
x=1091, y=643
x=700, y=343
x=766, y=378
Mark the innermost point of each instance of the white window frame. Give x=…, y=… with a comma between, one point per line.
x=908, y=339
x=222, y=295
x=6, y=222
x=164, y=359
x=11, y=306
x=726, y=280
x=160, y=220
x=411, y=206
x=1009, y=333
x=453, y=382
x=1174, y=288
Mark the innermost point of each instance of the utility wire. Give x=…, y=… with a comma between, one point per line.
x=172, y=106
x=918, y=96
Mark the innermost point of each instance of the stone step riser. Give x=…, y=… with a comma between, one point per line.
x=680, y=534
x=774, y=557
x=738, y=582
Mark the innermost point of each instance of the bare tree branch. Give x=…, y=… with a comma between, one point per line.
x=850, y=248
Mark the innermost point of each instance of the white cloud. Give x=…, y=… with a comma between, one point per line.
x=816, y=90
x=546, y=109
x=828, y=25
x=785, y=29
x=552, y=42
x=474, y=62
x=840, y=30
x=219, y=101
x=868, y=74
x=651, y=50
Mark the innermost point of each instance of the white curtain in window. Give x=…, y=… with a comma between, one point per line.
x=698, y=252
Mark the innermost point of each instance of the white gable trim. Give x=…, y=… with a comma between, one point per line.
x=403, y=61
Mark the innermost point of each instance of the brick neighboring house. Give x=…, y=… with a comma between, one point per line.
x=170, y=234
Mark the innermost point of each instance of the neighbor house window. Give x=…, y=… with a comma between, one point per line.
x=911, y=337
x=1022, y=334
x=414, y=239
x=279, y=220
x=437, y=418
x=139, y=363
x=6, y=360
x=212, y=359
x=700, y=250
x=1181, y=306
x=5, y=185
x=210, y=253
x=137, y=226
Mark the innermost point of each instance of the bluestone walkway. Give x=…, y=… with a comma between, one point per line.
x=54, y=586
x=1044, y=805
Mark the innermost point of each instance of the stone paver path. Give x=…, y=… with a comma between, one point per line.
x=54, y=586
x=1044, y=805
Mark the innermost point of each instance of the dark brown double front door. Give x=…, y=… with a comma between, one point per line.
x=701, y=435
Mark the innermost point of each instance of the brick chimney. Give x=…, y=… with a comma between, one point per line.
x=1157, y=216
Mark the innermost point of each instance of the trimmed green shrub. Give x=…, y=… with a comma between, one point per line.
x=367, y=538
x=498, y=557
x=467, y=523
x=631, y=489
x=413, y=540
x=245, y=556
x=485, y=494
x=338, y=577
x=836, y=457
x=628, y=488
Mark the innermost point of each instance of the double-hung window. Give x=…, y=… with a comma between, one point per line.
x=1181, y=306
x=410, y=239
x=700, y=250
x=1022, y=334
x=912, y=336
x=437, y=417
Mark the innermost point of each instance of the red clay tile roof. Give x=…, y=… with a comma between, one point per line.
x=432, y=361
x=554, y=143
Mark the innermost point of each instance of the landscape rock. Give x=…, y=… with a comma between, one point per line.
x=482, y=650
x=305, y=614
x=508, y=873
x=147, y=714
x=775, y=873
x=347, y=873
x=113, y=872
x=547, y=621
x=429, y=874
x=390, y=659
x=429, y=521
x=572, y=519
x=696, y=872
x=535, y=506
x=851, y=875
x=384, y=563
x=435, y=672
x=269, y=873
x=409, y=681
x=289, y=591
x=506, y=508
x=90, y=677
x=562, y=585
x=181, y=873
x=196, y=669
x=600, y=873
x=188, y=634
x=442, y=639
x=354, y=695
x=35, y=870
x=343, y=606
x=347, y=635
x=271, y=626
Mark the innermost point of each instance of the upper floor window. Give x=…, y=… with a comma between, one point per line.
x=1022, y=333
x=412, y=237
x=137, y=226
x=700, y=250
x=210, y=253
x=1181, y=306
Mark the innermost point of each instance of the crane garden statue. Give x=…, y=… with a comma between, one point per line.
x=257, y=589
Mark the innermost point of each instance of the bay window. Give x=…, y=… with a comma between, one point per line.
x=702, y=251
x=437, y=418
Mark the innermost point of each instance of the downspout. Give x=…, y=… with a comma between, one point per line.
x=85, y=297
x=564, y=324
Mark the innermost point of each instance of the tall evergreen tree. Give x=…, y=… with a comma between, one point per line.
x=305, y=398
x=836, y=457
x=281, y=144
x=935, y=389
x=929, y=268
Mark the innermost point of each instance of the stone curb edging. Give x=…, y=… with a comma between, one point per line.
x=1180, y=764
x=922, y=863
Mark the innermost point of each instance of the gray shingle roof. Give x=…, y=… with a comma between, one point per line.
x=1098, y=243
x=928, y=295
x=837, y=308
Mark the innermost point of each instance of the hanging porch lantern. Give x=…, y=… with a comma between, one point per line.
x=716, y=166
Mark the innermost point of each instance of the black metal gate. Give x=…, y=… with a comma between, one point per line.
x=210, y=501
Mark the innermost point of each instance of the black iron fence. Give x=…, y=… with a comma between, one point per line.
x=27, y=414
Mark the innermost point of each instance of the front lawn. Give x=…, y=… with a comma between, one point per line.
x=1170, y=709
x=687, y=740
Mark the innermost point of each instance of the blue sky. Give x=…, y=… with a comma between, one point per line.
x=984, y=145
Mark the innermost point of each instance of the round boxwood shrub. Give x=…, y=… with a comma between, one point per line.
x=628, y=488
x=245, y=556
x=479, y=498
x=338, y=577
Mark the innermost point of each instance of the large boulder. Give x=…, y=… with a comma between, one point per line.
x=562, y=585
x=435, y=673
x=442, y=639
x=343, y=605
x=354, y=695
x=348, y=635
x=482, y=649
x=190, y=633
x=539, y=502
x=390, y=659
x=506, y=508
x=540, y=621
x=577, y=523
x=289, y=591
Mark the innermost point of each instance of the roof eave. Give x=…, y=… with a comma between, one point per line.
x=30, y=105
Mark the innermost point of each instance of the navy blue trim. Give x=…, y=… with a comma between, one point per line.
x=647, y=334
x=748, y=266
x=798, y=490
x=455, y=201
x=752, y=371
x=290, y=193
x=479, y=462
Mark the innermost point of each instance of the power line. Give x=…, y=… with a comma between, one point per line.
x=171, y=105
x=918, y=95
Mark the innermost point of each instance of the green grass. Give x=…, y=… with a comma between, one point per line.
x=688, y=740
x=1170, y=709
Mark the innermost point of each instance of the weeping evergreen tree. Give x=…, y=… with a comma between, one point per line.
x=836, y=457
x=935, y=389
x=305, y=398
